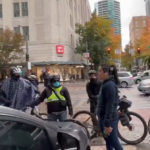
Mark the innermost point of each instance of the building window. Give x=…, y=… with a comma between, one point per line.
x=71, y=40
x=1, y=30
x=1, y=11
x=136, y=23
x=17, y=29
x=16, y=10
x=24, y=8
x=26, y=32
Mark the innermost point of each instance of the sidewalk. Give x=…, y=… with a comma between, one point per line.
x=103, y=148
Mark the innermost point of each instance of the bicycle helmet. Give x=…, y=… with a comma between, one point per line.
x=15, y=72
x=54, y=78
x=92, y=72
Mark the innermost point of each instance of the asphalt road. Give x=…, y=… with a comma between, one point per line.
x=140, y=104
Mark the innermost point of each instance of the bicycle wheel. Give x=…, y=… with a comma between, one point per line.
x=149, y=126
x=89, y=121
x=139, y=123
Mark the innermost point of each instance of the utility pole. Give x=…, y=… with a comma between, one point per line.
x=27, y=47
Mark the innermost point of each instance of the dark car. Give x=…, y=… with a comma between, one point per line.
x=21, y=131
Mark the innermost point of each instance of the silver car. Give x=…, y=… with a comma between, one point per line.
x=126, y=79
x=143, y=76
x=144, y=86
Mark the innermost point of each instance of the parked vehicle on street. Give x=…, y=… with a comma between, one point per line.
x=128, y=123
x=143, y=76
x=139, y=73
x=144, y=86
x=126, y=79
x=21, y=131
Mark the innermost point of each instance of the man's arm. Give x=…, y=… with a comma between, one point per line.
x=90, y=95
x=39, y=99
x=68, y=99
x=110, y=98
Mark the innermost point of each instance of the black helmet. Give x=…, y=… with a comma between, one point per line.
x=92, y=72
x=54, y=78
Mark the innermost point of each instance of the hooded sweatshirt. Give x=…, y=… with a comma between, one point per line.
x=108, y=102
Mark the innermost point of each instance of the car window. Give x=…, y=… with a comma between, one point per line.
x=146, y=74
x=20, y=136
x=123, y=74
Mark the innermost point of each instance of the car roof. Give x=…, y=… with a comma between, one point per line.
x=124, y=72
x=19, y=114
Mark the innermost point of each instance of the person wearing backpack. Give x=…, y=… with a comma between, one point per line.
x=58, y=99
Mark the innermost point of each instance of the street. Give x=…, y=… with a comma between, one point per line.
x=140, y=104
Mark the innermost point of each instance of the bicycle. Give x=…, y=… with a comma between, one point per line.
x=125, y=121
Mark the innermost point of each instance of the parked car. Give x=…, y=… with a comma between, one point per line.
x=144, y=86
x=126, y=79
x=143, y=76
x=139, y=73
x=21, y=131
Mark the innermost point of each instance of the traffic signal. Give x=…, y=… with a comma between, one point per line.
x=138, y=50
x=108, y=50
x=27, y=57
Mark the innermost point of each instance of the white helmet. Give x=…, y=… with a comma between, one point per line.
x=15, y=70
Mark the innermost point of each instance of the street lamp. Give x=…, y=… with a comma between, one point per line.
x=27, y=48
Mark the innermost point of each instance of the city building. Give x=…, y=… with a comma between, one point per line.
x=136, y=27
x=110, y=9
x=50, y=26
x=147, y=5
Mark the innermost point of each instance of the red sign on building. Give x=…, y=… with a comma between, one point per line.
x=60, y=49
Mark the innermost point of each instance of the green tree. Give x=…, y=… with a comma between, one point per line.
x=127, y=57
x=11, y=48
x=96, y=33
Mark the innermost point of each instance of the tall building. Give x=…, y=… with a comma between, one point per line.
x=136, y=27
x=50, y=25
x=111, y=10
x=147, y=4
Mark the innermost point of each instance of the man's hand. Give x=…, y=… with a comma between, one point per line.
x=7, y=102
x=108, y=130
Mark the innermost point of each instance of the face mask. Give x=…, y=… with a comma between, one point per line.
x=15, y=77
x=56, y=84
x=93, y=80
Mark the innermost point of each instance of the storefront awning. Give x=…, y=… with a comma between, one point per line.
x=57, y=63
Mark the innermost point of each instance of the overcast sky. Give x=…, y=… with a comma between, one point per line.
x=129, y=8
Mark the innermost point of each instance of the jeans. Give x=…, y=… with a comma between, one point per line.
x=112, y=141
x=60, y=116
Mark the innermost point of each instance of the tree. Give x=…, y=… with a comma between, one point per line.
x=11, y=48
x=95, y=34
x=127, y=57
x=143, y=43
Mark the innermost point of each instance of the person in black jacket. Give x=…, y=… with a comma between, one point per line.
x=93, y=89
x=46, y=76
x=107, y=106
x=58, y=99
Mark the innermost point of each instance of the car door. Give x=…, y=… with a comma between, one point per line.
x=18, y=135
x=146, y=75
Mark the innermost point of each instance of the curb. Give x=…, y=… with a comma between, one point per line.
x=104, y=148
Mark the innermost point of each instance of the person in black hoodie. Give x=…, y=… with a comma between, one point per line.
x=107, y=106
x=93, y=89
x=58, y=99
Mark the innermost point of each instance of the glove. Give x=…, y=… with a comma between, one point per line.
x=71, y=112
x=7, y=102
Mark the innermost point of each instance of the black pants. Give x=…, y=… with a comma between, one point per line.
x=93, y=105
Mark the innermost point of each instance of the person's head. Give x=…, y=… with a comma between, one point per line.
x=43, y=70
x=15, y=73
x=106, y=71
x=93, y=76
x=55, y=80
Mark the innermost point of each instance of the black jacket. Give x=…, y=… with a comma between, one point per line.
x=46, y=77
x=93, y=90
x=56, y=105
x=108, y=102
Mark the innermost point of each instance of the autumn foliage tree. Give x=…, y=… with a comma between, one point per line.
x=11, y=48
x=97, y=35
x=144, y=43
